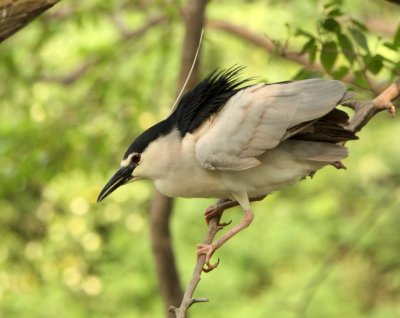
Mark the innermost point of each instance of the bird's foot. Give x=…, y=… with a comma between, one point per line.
x=216, y=210
x=207, y=250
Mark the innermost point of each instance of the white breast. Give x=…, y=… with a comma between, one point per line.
x=177, y=173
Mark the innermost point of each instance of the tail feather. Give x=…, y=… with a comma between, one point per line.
x=329, y=128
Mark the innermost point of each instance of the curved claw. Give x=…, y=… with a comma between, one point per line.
x=207, y=250
x=209, y=267
x=391, y=109
x=220, y=226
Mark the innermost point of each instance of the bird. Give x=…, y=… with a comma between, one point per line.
x=238, y=142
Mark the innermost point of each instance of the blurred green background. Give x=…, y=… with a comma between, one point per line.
x=75, y=92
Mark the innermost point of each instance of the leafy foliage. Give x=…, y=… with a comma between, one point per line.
x=340, y=33
x=77, y=89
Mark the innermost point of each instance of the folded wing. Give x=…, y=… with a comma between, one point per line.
x=257, y=118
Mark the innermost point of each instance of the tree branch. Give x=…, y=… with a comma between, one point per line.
x=15, y=14
x=364, y=111
x=188, y=299
x=160, y=215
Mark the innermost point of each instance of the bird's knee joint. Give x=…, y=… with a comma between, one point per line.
x=248, y=217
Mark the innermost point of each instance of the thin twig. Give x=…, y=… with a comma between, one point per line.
x=188, y=299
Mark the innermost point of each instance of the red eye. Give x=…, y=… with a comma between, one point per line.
x=135, y=158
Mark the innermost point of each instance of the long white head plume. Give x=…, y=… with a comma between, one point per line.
x=190, y=72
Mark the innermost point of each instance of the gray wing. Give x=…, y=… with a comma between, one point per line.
x=256, y=119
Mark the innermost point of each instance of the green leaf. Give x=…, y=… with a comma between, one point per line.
x=333, y=3
x=340, y=72
x=310, y=47
x=336, y=12
x=312, y=53
x=359, y=25
x=395, y=70
x=360, y=80
x=374, y=63
x=360, y=38
x=306, y=47
x=396, y=39
x=303, y=32
x=305, y=73
x=385, y=59
x=331, y=25
x=347, y=47
x=390, y=46
x=329, y=54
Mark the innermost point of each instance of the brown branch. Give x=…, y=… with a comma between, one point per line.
x=381, y=26
x=188, y=299
x=15, y=14
x=160, y=214
x=364, y=111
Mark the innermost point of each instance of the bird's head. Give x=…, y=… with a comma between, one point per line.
x=124, y=175
x=139, y=159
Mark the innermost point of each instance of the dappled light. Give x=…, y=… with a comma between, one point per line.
x=84, y=79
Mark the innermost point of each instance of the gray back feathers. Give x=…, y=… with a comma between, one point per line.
x=257, y=118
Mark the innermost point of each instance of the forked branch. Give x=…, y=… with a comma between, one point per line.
x=188, y=299
x=364, y=111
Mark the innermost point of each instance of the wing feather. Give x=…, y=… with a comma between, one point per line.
x=257, y=118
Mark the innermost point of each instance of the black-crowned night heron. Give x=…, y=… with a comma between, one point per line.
x=239, y=144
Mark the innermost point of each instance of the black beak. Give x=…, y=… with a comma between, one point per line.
x=122, y=176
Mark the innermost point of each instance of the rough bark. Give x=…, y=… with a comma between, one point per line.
x=15, y=14
x=161, y=209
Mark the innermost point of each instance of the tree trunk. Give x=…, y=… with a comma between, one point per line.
x=15, y=14
x=161, y=208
